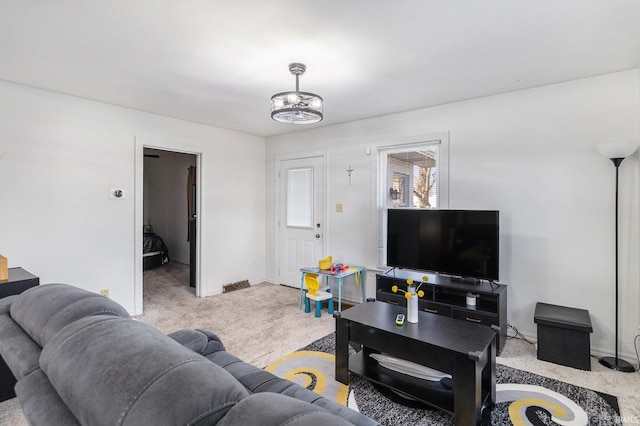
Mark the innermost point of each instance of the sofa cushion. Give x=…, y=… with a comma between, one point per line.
x=258, y=410
x=111, y=370
x=257, y=381
x=190, y=339
x=200, y=341
x=44, y=310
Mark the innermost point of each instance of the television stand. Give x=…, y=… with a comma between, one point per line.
x=448, y=297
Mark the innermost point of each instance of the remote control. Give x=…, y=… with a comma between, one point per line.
x=399, y=319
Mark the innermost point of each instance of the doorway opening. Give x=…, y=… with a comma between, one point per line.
x=169, y=220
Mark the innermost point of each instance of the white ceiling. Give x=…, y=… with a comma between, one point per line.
x=219, y=62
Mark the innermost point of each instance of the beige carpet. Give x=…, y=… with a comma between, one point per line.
x=258, y=324
x=262, y=323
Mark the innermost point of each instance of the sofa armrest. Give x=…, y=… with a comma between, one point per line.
x=41, y=403
x=5, y=304
x=20, y=353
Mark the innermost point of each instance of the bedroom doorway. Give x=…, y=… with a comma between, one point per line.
x=169, y=212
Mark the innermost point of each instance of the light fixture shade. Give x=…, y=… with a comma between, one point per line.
x=617, y=149
x=296, y=107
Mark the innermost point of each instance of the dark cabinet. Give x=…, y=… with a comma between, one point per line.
x=474, y=317
x=19, y=281
x=447, y=297
x=435, y=308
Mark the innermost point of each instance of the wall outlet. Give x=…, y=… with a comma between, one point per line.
x=104, y=293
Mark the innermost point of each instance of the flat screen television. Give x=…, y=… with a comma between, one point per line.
x=460, y=243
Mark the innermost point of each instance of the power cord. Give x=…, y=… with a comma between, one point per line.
x=635, y=346
x=518, y=335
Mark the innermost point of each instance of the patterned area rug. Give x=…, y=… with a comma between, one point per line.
x=522, y=398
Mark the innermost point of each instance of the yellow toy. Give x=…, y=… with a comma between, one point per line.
x=325, y=263
x=312, y=283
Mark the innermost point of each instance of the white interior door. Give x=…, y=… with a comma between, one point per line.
x=300, y=217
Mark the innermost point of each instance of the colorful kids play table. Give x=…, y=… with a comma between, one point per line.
x=358, y=271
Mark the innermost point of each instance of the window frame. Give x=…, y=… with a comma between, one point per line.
x=382, y=185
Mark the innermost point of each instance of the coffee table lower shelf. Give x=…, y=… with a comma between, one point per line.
x=433, y=394
x=465, y=351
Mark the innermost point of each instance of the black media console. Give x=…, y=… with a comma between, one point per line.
x=447, y=297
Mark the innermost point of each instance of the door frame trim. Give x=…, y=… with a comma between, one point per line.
x=140, y=144
x=277, y=195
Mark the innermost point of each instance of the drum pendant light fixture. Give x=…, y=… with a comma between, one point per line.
x=296, y=107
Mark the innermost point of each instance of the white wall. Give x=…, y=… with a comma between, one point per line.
x=60, y=156
x=530, y=154
x=165, y=199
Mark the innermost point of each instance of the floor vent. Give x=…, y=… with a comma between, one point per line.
x=236, y=286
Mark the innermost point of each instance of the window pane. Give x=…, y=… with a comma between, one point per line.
x=300, y=197
x=412, y=178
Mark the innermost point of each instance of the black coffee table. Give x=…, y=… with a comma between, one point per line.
x=466, y=351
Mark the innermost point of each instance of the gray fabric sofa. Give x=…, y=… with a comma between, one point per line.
x=79, y=359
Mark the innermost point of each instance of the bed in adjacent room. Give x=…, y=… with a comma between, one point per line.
x=154, y=251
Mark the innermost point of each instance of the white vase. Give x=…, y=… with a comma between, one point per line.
x=412, y=305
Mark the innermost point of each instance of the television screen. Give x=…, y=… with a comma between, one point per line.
x=462, y=243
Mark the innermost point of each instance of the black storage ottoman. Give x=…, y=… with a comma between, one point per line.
x=563, y=335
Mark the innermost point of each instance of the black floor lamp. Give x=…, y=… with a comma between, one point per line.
x=617, y=152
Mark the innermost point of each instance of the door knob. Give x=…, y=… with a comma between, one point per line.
x=317, y=235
